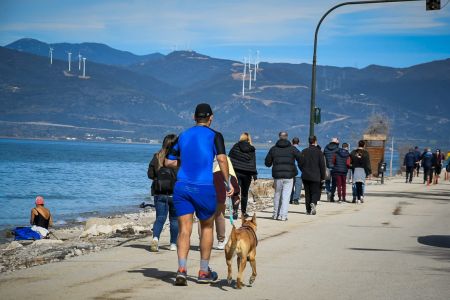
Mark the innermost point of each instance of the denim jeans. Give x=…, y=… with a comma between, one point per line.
x=164, y=205
x=296, y=192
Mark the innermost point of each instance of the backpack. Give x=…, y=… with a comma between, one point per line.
x=165, y=181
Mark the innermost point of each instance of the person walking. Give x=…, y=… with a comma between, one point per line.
x=162, y=189
x=194, y=190
x=297, y=190
x=312, y=165
x=328, y=152
x=281, y=158
x=243, y=158
x=221, y=196
x=410, y=164
x=360, y=164
x=417, y=155
x=438, y=158
x=427, y=165
x=341, y=165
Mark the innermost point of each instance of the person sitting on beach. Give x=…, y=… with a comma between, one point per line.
x=40, y=217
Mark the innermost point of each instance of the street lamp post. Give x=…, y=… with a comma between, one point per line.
x=313, y=79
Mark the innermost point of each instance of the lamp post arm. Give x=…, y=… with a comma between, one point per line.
x=313, y=77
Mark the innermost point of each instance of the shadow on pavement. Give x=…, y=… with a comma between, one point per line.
x=432, y=195
x=139, y=246
x=372, y=249
x=442, y=241
x=165, y=276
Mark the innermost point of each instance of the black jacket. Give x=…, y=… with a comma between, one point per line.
x=312, y=164
x=360, y=159
x=329, y=152
x=410, y=159
x=283, y=156
x=243, y=158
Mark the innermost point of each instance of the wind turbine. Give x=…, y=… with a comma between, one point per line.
x=250, y=81
x=243, y=76
x=51, y=55
x=79, y=61
x=256, y=69
x=84, y=67
x=70, y=58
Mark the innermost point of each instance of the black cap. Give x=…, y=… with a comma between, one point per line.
x=203, y=110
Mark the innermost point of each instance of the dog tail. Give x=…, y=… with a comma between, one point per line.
x=232, y=243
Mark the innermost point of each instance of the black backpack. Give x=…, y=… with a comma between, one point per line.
x=165, y=181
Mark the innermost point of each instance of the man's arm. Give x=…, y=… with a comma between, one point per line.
x=173, y=158
x=322, y=166
x=269, y=160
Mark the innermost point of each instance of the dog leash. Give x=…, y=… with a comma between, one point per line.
x=230, y=209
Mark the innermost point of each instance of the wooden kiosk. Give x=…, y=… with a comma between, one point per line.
x=375, y=145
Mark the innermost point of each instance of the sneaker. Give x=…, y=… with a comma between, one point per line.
x=358, y=201
x=362, y=200
x=154, y=246
x=308, y=213
x=296, y=202
x=313, y=209
x=207, y=277
x=181, y=280
x=274, y=217
x=220, y=245
x=328, y=196
x=246, y=215
x=339, y=201
x=235, y=216
x=283, y=219
x=173, y=247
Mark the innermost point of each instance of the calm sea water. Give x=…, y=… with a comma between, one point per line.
x=77, y=179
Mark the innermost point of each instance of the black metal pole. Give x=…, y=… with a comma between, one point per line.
x=313, y=79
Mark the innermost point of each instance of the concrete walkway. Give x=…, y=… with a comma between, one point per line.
x=347, y=251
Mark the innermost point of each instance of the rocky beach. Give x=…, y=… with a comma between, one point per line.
x=97, y=234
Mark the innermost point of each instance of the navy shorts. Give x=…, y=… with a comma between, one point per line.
x=190, y=198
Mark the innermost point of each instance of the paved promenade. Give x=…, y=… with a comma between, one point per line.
x=394, y=246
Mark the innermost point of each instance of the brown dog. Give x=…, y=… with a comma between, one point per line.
x=243, y=242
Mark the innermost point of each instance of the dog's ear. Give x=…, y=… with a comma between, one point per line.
x=254, y=218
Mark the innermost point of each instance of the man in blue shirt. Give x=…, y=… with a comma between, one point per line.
x=194, y=191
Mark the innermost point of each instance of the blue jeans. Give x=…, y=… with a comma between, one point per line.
x=296, y=193
x=164, y=205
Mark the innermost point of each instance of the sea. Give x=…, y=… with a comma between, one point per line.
x=77, y=179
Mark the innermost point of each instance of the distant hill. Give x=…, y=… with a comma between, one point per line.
x=95, y=52
x=154, y=97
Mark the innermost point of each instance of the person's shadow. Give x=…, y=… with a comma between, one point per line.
x=169, y=277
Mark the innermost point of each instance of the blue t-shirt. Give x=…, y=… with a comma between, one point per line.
x=196, y=149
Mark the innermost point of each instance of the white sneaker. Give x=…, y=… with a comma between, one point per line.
x=154, y=246
x=173, y=247
x=220, y=245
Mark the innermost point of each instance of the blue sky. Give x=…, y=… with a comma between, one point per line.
x=398, y=35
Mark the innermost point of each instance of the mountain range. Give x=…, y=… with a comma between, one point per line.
x=147, y=96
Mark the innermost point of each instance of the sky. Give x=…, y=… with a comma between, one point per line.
x=389, y=34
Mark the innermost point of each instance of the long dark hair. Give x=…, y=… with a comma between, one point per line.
x=168, y=143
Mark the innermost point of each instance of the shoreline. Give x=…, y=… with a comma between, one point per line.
x=99, y=233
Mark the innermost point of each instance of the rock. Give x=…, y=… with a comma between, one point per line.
x=46, y=242
x=140, y=229
x=14, y=245
x=78, y=252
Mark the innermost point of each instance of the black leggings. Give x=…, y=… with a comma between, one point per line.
x=359, y=190
x=244, y=182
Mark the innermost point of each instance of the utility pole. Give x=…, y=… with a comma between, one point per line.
x=430, y=5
